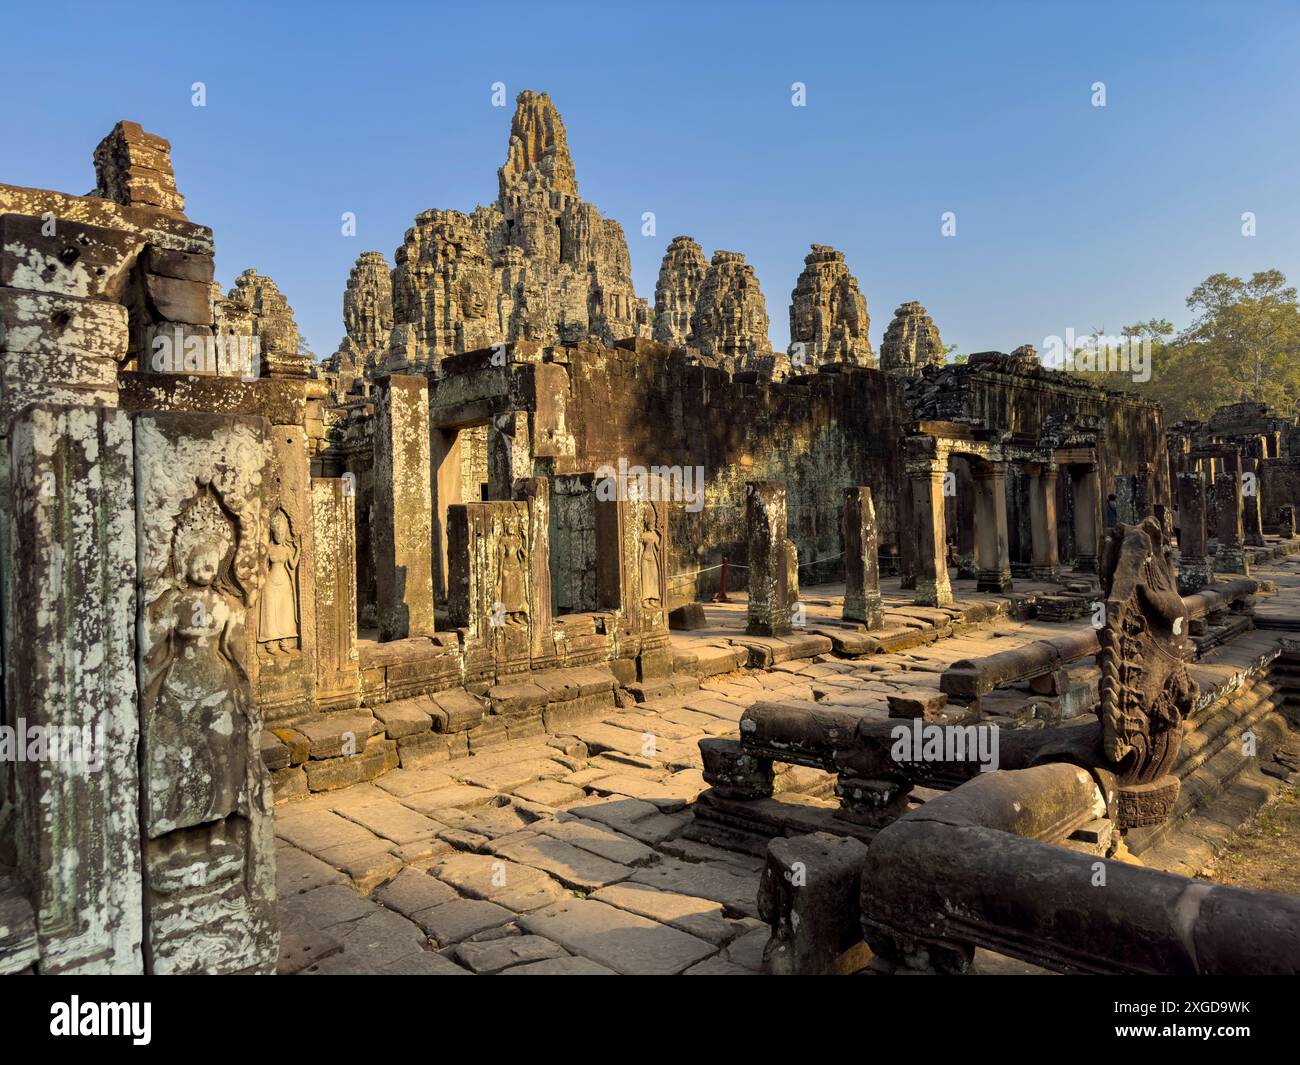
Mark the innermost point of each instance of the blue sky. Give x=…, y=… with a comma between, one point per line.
x=1068, y=215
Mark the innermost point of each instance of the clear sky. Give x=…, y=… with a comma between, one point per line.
x=1067, y=215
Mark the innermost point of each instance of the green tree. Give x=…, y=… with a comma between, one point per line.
x=1243, y=341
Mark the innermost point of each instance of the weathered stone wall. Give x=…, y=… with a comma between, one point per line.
x=820, y=433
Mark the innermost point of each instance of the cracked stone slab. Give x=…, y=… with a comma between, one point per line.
x=625, y=942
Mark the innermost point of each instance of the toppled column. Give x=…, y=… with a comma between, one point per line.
x=1045, y=559
x=403, y=520
x=1085, y=483
x=992, y=545
x=1194, y=568
x=925, y=469
x=772, y=584
x=861, y=566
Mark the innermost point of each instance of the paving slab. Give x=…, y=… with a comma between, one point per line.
x=561, y=967
x=459, y=919
x=516, y=887
x=504, y=953
x=413, y=890
x=625, y=942
x=700, y=917
x=572, y=866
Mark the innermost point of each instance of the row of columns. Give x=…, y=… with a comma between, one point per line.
x=929, y=478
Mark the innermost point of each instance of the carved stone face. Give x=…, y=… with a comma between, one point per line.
x=279, y=528
x=201, y=569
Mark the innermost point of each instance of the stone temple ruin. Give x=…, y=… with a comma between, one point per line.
x=733, y=659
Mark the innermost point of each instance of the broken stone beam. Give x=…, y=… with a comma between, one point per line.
x=972, y=868
x=733, y=772
x=402, y=529
x=972, y=677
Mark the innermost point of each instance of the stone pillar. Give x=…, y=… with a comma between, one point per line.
x=1231, y=556
x=771, y=595
x=1045, y=562
x=205, y=492
x=284, y=622
x=536, y=493
x=403, y=521
x=489, y=581
x=903, y=536
x=510, y=456
x=1085, y=484
x=925, y=469
x=1251, y=519
x=1286, y=521
x=992, y=553
x=338, y=680
x=962, y=493
x=70, y=632
x=1144, y=491
x=1194, y=570
x=861, y=566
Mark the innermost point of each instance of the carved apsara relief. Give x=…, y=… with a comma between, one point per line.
x=278, y=618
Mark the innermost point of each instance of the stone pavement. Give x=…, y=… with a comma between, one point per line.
x=563, y=853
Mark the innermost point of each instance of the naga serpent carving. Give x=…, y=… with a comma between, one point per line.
x=1145, y=691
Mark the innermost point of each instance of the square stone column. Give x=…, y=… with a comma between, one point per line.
x=490, y=591
x=1231, y=556
x=861, y=566
x=992, y=547
x=961, y=490
x=1251, y=519
x=772, y=587
x=205, y=494
x=1085, y=484
x=402, y=528
x=925, y=469
x=1194, y=569
x=338, y=678
x=1045, y=559
x=70, y=678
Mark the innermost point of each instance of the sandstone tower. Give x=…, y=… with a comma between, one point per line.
x=677, y=294
x=731, y=314
x=828, y=313
x=538, y=264
x=911, y=342
x=367, y=319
